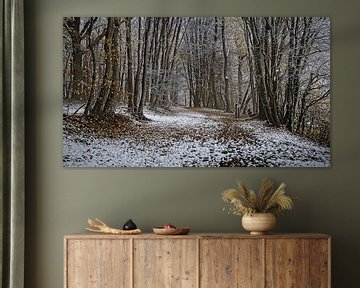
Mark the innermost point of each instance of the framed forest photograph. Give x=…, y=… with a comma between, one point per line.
x=196, y=92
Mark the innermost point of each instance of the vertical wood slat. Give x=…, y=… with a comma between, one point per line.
x=319, y=263
x=65, y=263
x=198, y=263
x=98, y=263
x=131, y=262
x=165, y=263
x=231, y=263
x=263, y=245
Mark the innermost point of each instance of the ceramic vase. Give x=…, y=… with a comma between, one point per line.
x=259, y=223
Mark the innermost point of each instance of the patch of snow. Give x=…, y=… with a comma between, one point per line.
x=70, y=109
x=186, y=138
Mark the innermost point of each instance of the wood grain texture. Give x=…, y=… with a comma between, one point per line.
x=287, y=263
x=231, y=263
x=98, y=264
x=197, y=261
x=319, y=263
x=165, y=263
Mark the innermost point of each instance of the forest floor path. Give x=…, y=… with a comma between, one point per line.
x=189, y=137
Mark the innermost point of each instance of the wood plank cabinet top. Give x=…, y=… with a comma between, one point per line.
x=87, y=235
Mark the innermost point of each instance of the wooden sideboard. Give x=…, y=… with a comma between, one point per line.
x=197, y=260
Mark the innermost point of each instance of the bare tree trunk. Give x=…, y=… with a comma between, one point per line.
x=115, y=83
x=107, y=80
x=72, y=25
x=67, y=76
x=91, y=98
x=289, y=93
x=226, y=76
x=240, y=98
x=212, y=67
x=129, y=80
x=138, y=70
x=159, y=31
x=90, y=46
x=145, y=63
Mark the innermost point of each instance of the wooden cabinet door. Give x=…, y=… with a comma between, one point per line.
x=287, y=263
x=165, y=263
x=231, y=263
x=297, y=263
x=98, y=263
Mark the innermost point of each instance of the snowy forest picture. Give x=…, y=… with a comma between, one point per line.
x=196, y=92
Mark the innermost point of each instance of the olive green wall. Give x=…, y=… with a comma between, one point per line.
x=59, y=200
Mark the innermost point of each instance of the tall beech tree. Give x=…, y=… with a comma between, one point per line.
x=226, y=75
x=72, y=26
x=107, y=79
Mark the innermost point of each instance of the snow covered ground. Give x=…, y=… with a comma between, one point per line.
x=192, y=138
